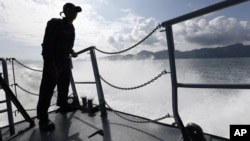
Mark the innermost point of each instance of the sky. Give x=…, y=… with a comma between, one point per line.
x=114, y=25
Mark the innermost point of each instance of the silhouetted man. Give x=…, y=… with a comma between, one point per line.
x=57, y=47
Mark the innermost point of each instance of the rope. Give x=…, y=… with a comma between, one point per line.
x=156, y=28
x=139, y=121
x=27, y=66
x=136, y=87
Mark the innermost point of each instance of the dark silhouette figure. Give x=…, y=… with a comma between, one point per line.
x=57, y=47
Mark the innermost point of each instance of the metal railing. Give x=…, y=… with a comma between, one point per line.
x=171, y=49
x=8, y=102
x=10, y=97
x=97, y=79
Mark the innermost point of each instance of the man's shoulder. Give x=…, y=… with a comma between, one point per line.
x=55, y=21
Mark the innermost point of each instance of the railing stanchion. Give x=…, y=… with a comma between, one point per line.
x=72, y=82
x=8, y=101
x=171, y=48
x=98, y=83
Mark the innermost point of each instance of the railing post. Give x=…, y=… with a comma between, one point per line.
x=8, y=102
x=1, y=138
x=98, y=83
x=171, y=50
x=72, y=82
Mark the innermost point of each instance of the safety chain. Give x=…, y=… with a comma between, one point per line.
x=136, y=87
x=17, y=111
x=25, y=90
x=17, y=85
x=139, y=121
x=155, y=29
x=26, y=66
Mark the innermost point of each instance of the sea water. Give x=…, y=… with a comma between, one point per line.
x=213, y=109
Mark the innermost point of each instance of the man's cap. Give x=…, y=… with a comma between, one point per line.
x=68, y=6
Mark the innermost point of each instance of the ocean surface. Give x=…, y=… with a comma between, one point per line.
x=213, y=109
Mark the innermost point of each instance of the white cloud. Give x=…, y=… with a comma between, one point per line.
x=24, y=21
x=137, y=29
x=118, y=34
x=127, y=10
x=218, y=31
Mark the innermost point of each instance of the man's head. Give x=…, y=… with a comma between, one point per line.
x=70, y=11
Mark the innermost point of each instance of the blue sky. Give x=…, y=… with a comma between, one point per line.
x=113, y=25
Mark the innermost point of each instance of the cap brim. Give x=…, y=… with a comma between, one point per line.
x=78, y=9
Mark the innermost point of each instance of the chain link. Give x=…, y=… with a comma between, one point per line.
x=138, y=121
x=27, y=66
x=136, y=87
x=23, y=89
x=131, y=88
x=135, y=45
x=26, y=90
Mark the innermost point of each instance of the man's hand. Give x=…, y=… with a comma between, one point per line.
x=74, y=54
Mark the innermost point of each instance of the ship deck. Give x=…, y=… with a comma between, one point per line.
x=79, y=126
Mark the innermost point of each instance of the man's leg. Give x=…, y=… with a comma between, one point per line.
x=63, y=84
x=47, y=86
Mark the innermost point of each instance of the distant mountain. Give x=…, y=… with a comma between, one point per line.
x=232, y=51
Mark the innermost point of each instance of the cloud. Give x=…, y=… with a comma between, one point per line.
x=218, y=31
x=137, y=29
x=118, y=34
x=24, y=21
x=127, y=10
